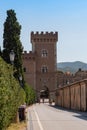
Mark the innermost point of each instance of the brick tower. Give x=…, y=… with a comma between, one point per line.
x=43, y=62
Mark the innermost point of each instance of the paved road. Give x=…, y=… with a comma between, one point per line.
x=45, y=117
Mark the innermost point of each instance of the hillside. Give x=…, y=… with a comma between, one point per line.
x=71, y=66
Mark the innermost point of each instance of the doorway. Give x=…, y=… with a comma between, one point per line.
x=44, y=94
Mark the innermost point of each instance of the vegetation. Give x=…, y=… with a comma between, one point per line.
x=17, y=126
x=11, y=41
x=30, y=94
x=11, y=95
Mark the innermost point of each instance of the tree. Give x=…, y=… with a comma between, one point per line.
x=0, y=52
x=11, y=41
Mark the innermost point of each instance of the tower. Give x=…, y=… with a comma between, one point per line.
x=44, y=45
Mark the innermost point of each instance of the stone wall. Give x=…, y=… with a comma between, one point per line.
x=73, y=96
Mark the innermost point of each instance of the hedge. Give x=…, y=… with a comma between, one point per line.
x=11, y=95
x=30, y=94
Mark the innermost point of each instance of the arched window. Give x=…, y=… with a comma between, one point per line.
x=44, y=53
x=44, y=69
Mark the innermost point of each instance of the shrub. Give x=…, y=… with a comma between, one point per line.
x=30, y=94
x=11, y=95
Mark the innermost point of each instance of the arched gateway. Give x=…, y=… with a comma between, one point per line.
x=44, y=93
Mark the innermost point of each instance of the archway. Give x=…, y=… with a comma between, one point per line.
x=44, y=93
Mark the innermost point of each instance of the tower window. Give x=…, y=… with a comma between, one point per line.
x=44, y=53
x=38, y=39
x=34, y=40
x=44, y=69
x=24, y=69
x=47, y=40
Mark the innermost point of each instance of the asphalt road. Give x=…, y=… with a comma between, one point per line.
x=45, y=117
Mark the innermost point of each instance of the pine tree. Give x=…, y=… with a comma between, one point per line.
x=11, y=41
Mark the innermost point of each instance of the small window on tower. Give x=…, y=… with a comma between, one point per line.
x=44, y=53
x=44, y=69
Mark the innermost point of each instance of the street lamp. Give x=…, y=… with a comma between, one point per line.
x=12, y=56
x=20, y=79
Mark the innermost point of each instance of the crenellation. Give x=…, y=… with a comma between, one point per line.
x=25, y=52
x=37, y=32
x=28, y=55
x=56, y=33
x=32, y=33
x=44, y=36
x=47, y=33
x=42, y=32
x=51, y=33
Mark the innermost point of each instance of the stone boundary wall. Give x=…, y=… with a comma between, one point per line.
x=73, y=96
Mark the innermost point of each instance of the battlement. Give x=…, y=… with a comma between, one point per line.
x=43, y=33
x=28, y=55
x=44, y=36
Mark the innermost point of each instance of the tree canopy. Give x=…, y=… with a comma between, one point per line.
x=11, y=41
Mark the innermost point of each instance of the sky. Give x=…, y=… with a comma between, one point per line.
x=68, y=17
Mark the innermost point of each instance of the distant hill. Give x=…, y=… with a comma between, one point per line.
x=71, y=66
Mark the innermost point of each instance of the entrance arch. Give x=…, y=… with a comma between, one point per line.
x=44, y=93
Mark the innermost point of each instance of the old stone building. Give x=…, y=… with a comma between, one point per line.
x=40, y=64
x=68, y=78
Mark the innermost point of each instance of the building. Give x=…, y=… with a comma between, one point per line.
x=40, y=64
x=68, y=78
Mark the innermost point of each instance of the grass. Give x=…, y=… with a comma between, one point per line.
x=17, y=126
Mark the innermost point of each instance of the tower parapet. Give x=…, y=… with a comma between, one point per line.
x=44, y=37
x=28, y=56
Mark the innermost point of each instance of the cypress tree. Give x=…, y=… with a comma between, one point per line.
x=11, y=41
x=0, y=52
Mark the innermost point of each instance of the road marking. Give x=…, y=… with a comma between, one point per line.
x=31, y=123
x=39, y=123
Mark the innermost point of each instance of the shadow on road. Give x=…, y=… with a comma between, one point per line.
x=78, y=114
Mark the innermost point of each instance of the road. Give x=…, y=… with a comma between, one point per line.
x=45, y=117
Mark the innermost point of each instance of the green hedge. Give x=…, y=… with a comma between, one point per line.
x=30, y=94
x=11, y=95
